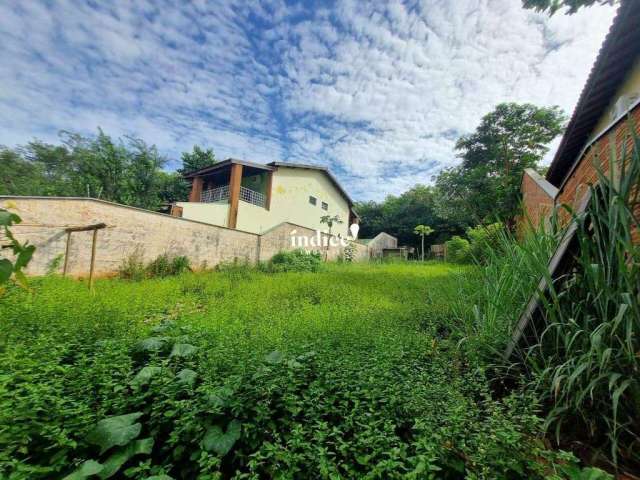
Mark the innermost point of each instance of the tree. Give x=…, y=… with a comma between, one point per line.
x=124, y=170
x=197, y=159
x=398, y=216
x=486, y=185
x=330, y=221
x=552, y=6
x=423, y=231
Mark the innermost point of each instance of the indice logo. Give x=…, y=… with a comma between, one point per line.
x=323, y=239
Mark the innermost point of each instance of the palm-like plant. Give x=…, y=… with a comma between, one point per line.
x=330, y=221
x=423, y=231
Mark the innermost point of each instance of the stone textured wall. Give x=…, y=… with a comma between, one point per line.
x=131, y=229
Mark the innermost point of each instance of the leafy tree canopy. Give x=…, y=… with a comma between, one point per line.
x=552, y=6
x=196, y=159
x=486, y=185
x=398, y=216
x=125, y=170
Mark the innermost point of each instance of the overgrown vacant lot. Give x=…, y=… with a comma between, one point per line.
x=347, y=373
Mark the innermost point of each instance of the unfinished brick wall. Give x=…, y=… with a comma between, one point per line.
x=132, y=229
x=584, y=174
x=537, y=201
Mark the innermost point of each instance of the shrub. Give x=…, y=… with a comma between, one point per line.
x=484, y=241
x=165, y=265
x=296, y=260
x=349, y=253
x=132, y=266
x=458, y=250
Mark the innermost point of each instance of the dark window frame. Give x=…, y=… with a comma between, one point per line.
x=325, y=206
x=313, y=200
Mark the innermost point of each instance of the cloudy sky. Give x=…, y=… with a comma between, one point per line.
x=377, y=91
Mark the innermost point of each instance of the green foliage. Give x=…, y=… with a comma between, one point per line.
x=164, y=265
x=587, y=358
x=297, y=260
x=124, y=170
x=344, y=373
x=22, y=252
x=581, y=356
x=399, y=215
x=196, y=159
x=486, y=185
x=572, y=6
x=458, y=250
x=54, y=264
x=349, y=253
x=132, y=266
x=485, y=241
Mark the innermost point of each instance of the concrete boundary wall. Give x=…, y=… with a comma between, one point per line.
x=130, y=229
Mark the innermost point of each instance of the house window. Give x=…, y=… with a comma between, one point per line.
x=313, y=200
x=325, y=206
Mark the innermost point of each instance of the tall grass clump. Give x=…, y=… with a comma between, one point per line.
x=587, y=362
x=511, y=272
x=582, y=357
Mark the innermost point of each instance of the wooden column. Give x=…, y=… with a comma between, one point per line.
x=92, y=266
x=234, y=194
x=66, y=254
x=267, y=204
x=196, y=189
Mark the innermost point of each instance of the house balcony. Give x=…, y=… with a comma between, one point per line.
x=221, y=193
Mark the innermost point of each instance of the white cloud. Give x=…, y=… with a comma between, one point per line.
x=379, y=92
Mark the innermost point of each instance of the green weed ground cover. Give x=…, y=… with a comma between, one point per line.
x=350, y=372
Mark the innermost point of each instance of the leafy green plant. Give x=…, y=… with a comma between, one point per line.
x=347, y=372
x=582, y=361
x=54, y=264
x=587, y=361
x=132, y=266
x=349, y=253
x=296, y=260
x=22, y=252
x=458, y=250
x=423, y=231
x=485, y=240
x=164, y=265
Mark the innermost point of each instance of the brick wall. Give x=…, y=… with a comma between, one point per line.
x=537, y=201
x=129, y=229
x=584, y=174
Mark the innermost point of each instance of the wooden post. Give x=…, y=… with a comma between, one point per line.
x=234, y=194
x=95, y=227
x=196, y=189
x=93, y=258
x=66, y=254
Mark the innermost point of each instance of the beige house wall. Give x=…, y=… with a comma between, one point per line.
x=291, y=189
x=215, y=213
x=131, y=229
x=630, y=88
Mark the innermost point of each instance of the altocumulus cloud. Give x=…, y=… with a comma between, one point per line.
x=377, y=91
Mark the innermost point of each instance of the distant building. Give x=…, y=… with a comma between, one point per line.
x=255, y=197
x=600, y=122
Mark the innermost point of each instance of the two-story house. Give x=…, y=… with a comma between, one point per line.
x=256, y=197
